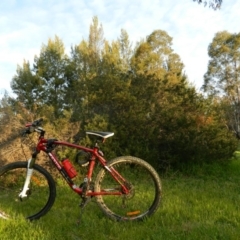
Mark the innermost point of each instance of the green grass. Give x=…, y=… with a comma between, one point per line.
x=201, y=203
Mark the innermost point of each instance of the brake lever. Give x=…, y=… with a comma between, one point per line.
x=27, y=131
x=39, y=129
x=37, y=123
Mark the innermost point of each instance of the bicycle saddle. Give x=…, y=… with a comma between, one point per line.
x=100, y=134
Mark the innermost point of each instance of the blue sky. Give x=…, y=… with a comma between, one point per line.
x=27, y=24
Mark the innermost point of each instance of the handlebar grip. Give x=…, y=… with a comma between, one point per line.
x=37, y=123
x=30, y=127
x=26, y=131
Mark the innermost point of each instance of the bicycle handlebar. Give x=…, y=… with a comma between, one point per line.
x=35, y=123
x=30, y=127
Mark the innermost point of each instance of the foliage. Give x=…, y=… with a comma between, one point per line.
x=10, y=127
x=214, y=4
x=45, y=83
x=142, y=94
x=222, y=78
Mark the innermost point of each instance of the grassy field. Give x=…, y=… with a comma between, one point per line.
x=201, y=203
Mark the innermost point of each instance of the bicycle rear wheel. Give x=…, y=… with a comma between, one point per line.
x=144, y=184
x=41, y=193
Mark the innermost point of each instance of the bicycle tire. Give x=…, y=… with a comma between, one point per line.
x=144, y=198
x=41, y=193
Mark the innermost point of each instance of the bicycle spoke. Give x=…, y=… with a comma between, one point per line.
x=38, y=195
x=143, y=186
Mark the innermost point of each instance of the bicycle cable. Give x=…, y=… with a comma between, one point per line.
x=28, y=144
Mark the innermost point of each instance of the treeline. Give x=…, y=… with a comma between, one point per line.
x=139, y=92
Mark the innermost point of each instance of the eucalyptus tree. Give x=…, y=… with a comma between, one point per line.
x=163, y=93
x=222, y=78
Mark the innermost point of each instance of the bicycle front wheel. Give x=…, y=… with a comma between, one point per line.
x=144, y=186
x=41, y=193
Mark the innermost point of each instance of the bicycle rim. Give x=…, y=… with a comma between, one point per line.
x=41, y=193
x=145, y=194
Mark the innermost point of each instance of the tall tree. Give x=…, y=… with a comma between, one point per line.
x=125, y=50
x=50, y=67
x=45, y=83
x=28, y=87
x=155, y=56
x=84, y=68
x=95, y=41
x=223, y=76
x=159, y=86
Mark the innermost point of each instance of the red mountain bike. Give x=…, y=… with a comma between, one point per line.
x=125, y=188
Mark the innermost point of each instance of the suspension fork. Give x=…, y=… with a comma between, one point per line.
x=30, y=164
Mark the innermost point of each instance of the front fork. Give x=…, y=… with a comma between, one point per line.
x=23, y=193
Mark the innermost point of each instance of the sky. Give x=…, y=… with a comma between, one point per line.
x=25, y=25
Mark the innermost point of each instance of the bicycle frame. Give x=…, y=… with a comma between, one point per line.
x=47, y=146
x=126, y=189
